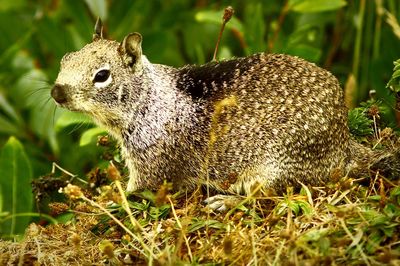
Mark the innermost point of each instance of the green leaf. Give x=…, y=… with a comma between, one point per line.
x=65, y=217
x=90, y=135
x=391, y=210
x=394, y=82
x=15, y=186
x=18, y=36
x=160, y=212
x=311, y=6
x=395, y=194
x=43, y=113
x=7, y=127
x=373, y=242
x=139, y=206
x=69, y=118
x=198, y=224
x=9, y=109
x=305, y=207
x=359, y=123
x=294, y=206
x=324, y=245
x=375, y=197
x=314, y=234
x=147, y=194
x=389, y=230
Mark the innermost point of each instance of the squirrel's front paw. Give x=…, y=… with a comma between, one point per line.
x=222, y=203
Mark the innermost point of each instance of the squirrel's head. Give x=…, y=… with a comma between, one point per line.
x=98, y=78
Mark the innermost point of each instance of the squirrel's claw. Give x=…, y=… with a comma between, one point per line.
x=221, y=203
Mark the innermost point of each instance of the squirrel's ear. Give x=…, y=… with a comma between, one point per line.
x=131, y=48
x=98, y=30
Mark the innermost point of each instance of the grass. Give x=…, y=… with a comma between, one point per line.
x=349, y=221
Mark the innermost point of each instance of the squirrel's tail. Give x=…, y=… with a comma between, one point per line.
x=364, y=161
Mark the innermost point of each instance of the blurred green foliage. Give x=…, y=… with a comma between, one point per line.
x=394, y=82
x=351, y=38
x=15, y=191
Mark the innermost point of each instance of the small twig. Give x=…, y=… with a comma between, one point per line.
x=95, y=204
x=115, y=175
x=377, y=143
x=228, y=13
x=75, y=192
x=180, y=227
x=376, y=130
x=336, y=198
x=125, y=205
x=252, y=238
x=134, y=222
x=53, y=171
x=281, y=19
x=336, y=39
x=373, y=185
x=278, y=253
x=358, y=42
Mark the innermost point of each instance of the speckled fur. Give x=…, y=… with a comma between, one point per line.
x=288, y=123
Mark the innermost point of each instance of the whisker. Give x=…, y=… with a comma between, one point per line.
x=80, y=125
x=34, y=91
x=75, y=128
x=37, y=92
x=37, y=80
x=45, y=103
x=54, y=115
x=30, y=75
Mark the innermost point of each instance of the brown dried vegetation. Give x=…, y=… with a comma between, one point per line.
x=349, y=221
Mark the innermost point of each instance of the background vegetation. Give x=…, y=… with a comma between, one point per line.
x=356, y=40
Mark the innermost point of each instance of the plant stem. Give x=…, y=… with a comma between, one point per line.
x=377, y=31
x=357, y=45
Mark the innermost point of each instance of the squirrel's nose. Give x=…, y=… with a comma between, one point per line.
x=58, y=94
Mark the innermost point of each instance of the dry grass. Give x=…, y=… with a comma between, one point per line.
x=351, y=222
x=347, y=222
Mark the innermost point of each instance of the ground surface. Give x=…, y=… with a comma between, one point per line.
x=347, y=222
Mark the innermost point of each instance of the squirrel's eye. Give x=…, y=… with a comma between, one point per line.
x=101, y=76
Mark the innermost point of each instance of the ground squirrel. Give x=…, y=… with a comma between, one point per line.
x=268, y=119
